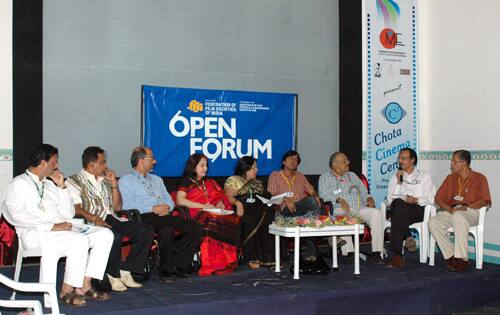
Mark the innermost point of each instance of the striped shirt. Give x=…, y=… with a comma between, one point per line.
x=298, y=184
x=348, y=187
x=93, y=194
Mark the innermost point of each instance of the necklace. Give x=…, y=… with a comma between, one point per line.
x=39, y=191
x=203, y=188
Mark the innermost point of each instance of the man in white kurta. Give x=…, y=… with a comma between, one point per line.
x=34, y=203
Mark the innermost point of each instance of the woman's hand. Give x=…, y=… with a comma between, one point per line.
x=240, y=211
x=220, y=205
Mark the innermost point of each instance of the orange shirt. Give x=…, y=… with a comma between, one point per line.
x=279, y=183
x=473, y=189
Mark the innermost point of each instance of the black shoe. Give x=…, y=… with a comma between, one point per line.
x=375, y=258
x=167, y=276
x=347, y=260
x=179, y=273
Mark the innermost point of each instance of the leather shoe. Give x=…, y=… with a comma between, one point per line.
x=116, y=284
x=450, y=263
x=167, y=277
x=180, y=273
x=397, y=262
x=375, y=258
x=459, y=265
x=127, y=279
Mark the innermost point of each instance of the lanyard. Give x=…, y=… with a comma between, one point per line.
x=288, y=182
x=462, y=186
x=203, y=187
x=39, y=191
x=148, y=186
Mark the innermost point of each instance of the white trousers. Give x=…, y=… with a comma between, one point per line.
x=373, y=217
x=80, y=262
x=461, y=221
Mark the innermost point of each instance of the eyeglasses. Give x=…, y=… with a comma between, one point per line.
x=149, y=158
x=456, y=161
x=100, y=162
x=343, y=161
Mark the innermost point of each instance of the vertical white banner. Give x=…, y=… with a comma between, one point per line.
x=5, y=93
x=390, y=86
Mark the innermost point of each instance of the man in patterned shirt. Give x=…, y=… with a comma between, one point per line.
x=348, y=194
x=97, y=198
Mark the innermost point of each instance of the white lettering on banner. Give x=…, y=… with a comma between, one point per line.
x=215, y=145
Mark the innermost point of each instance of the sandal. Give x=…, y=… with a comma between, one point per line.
x=254, y=264
x=94, y=295
x=72, y=298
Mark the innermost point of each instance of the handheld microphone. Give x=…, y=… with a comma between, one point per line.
x=400, y=176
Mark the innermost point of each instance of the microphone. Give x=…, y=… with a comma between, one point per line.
x=400, y=176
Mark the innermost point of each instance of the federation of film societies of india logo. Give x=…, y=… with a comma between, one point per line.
x=388, y=38
x=195, y=106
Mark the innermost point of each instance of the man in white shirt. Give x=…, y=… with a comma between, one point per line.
x=97, y=197
x=410, y=190
x=39, y=199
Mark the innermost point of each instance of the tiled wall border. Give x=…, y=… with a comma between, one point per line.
x=446, y=155
x=6, y=155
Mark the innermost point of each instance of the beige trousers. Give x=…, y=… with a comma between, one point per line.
x=460, y=221
x=373, y=217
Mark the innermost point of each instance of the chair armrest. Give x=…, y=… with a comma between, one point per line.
x=430, y=211
x=183, y=212
x=28, y=286
x=482, y=215
x=383, y=209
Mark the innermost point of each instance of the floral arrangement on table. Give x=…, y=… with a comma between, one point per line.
x=318, y=221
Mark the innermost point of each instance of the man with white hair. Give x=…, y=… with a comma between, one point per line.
x=348, y=194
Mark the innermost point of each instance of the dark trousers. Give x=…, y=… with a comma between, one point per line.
x=302, y=207
x=403, y=215
x=175, y=252
x=140, y=235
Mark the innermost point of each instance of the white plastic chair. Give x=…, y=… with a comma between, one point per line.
x=47, y=288
x=476, y=231
x=421, y=227
x=34, y=252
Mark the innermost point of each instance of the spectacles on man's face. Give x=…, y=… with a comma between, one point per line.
x=149, y=158
x=100, y=162
x=456, y=161
x=345, y=161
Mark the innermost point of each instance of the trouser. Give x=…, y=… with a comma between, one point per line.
x=373, y=217
x=460, y=221
x=403, y=215
x=140, y=235
x=80, y=262
x=303, y=207
x=175, y=252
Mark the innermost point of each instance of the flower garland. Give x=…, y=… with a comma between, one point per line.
x=318, y=221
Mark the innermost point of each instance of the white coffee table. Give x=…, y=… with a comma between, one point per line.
x=333, y=231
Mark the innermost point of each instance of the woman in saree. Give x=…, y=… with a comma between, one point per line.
x=219, y=245
x=242, y=190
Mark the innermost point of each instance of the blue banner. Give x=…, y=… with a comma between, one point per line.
x=223, y=125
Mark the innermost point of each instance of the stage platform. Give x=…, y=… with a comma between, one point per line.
x=417, y=289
